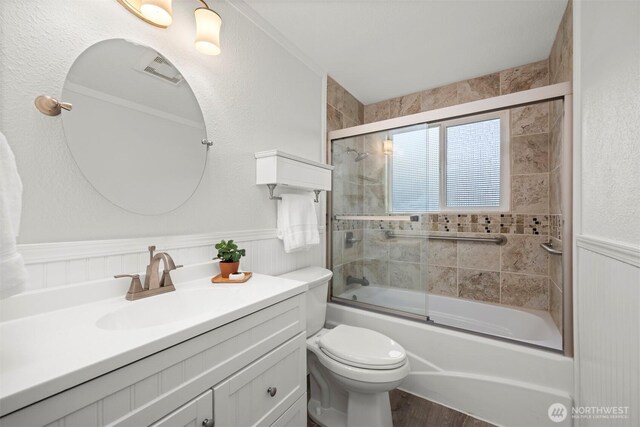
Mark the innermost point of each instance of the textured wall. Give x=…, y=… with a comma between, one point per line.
x=254, y=96
x=610, y=92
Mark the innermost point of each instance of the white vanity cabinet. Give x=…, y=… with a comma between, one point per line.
x=223, y=375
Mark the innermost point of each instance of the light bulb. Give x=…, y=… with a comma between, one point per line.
x=157, y=11
x=208, y=25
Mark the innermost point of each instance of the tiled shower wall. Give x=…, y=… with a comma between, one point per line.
x=519, y=273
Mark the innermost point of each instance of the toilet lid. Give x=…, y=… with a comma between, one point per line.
x=362, y=348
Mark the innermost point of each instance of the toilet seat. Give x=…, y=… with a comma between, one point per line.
x=362, y=348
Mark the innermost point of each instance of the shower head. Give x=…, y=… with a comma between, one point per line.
x=359, y=156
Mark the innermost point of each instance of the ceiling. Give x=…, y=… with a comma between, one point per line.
x=379, y=49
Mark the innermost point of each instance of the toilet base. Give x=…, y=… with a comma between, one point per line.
x=365, y=410
x=328, y=417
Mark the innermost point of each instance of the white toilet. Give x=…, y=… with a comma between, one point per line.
x=352, y=369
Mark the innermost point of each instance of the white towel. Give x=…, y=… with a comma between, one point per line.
x=297, y=222
x=13, y=275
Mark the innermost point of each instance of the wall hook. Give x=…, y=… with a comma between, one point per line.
x=51, y=106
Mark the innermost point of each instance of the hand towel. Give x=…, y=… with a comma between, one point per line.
x=13, y=275
x=297, y=222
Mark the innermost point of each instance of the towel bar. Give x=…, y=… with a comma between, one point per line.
x=273, y=187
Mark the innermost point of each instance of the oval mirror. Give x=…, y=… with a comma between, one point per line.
x=136, y=127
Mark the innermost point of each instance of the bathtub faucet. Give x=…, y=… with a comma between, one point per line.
x=352, y=280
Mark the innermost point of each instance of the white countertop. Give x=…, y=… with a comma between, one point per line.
x=46, y=353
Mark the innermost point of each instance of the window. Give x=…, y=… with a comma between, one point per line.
x=455, y=165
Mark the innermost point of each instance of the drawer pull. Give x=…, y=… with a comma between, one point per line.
x=208, y=423
x=272, y=391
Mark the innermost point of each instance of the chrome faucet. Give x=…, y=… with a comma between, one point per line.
x=352, y=280
x=153, y=284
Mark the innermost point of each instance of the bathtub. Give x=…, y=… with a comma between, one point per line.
x=501, y=382
x=525, y=325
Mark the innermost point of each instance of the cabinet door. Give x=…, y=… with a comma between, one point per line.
x=295, y=416
x=259, y=394
x=195, y=413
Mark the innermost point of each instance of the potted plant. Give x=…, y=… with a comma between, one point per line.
x=229, y=256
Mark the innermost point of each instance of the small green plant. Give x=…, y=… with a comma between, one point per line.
x=229, y=252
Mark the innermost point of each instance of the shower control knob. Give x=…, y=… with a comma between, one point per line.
x=272, y=391
x=208, y=423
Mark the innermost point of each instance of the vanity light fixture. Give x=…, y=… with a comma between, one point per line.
x=159, y=14
x=208, y=25
x=157, y=11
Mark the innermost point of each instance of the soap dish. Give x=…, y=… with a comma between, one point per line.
x=220, y=279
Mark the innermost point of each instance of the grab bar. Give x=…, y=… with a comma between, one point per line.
x=500, y=240
x=549, y=248
x=413, y=218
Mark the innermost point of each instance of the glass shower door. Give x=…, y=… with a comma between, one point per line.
x=381, y=191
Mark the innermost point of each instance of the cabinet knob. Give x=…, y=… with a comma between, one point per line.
x=272, y=391
x=208, y=423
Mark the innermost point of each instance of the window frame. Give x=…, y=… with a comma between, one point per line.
x=505, y=164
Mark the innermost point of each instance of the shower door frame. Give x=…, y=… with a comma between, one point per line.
x=560, y=91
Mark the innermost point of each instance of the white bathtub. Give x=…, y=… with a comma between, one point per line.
x=494, y=380
x=520, y=324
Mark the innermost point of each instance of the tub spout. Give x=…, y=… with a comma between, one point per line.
x=353, y=280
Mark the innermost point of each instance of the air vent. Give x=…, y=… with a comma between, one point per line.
x=164, y=70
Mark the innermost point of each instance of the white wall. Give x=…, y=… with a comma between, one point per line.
x=607, y=220
x=610, y=91
x=254, y=96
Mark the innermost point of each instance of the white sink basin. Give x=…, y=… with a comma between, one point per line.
x=157, y=310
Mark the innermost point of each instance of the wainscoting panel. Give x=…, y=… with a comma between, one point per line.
x=608, y=329
x=58, y=264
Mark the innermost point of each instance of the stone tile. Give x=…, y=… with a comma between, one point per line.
x=530, y=154
x=405, y=250
x=376, y=112
x=337, y=280
x=555, y=305
x=348, y=123
x=356, y=251
x=479, y=88
x=374, y=202
x=374, y=168
x=337, y=243
x=530, y=119
x=561, y=55
x=479, y=285
x=376, y=245
x=334, y=119
x=405, y=275
x=442, y=280
x=345, y=169
x=347, y=197
x=335, y=94
x=556, y=111
x=555, y=192
x=479, y=256
x=376, y=271
x=555, y=146
x=530, y=193
x=404, y=105
x=523, y=254
x=442, y=253
x=444, y=96
x=350, y=107
x=524, y=77
x=360, y=113
x=523, y=290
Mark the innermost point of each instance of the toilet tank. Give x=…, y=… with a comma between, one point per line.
x=317, y=279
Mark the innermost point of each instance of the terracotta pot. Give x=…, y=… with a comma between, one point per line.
x=227, y=268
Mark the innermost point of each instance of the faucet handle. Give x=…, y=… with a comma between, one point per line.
x=135, y=285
